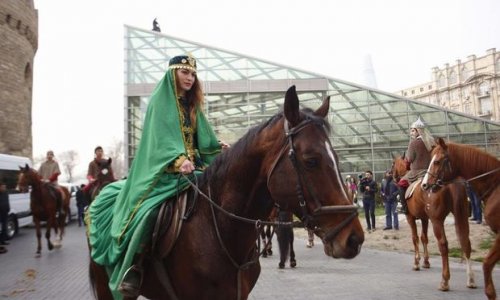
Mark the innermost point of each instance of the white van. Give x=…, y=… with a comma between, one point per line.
x=20, y=212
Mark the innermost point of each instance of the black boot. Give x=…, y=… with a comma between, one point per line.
x=402, y=198
x=130, y=286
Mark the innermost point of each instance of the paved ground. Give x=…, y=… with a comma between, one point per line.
x=62, y=274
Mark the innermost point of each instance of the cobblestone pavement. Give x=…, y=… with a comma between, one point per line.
x=63, y=274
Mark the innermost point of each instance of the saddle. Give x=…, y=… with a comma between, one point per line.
x=168, y=225
x=411, y=188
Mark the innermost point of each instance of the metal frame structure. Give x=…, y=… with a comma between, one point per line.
x=369, y=126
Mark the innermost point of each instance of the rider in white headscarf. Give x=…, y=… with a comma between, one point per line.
x=418, y=157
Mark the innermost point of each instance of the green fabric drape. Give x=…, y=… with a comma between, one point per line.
x=122, y=215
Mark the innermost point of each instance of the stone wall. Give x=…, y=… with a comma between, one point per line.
x=19, y=43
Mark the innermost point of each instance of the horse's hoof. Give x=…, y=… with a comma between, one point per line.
x=293, y=264
x=51, y=247
x=444, y=288
x=270, y=252
x=416, y=268
x=281, y=265
x=264, y=254
x=57, y=246
x=472, y=285
x=427, y=265
x=38, y=255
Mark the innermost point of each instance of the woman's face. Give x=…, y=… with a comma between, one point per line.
x=185, y=80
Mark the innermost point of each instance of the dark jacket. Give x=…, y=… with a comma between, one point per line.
x=368, y=195
x=390, y=190
x=4, y=202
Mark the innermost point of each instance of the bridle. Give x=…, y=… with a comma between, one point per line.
x=309, y=219
x=444, y=166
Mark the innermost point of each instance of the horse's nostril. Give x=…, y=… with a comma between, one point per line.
x=353, y=241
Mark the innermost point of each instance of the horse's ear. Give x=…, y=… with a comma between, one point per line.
x=441, y=142
x=26, y=168
x=109, y=161
x=404, y=154
x=291, y=108
x=322, y=111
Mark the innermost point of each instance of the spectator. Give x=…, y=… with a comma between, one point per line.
x=368, y=187
x=4, y=215
x=389, y=193
x=81, y=203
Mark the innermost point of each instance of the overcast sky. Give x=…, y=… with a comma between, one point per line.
x=78, y=71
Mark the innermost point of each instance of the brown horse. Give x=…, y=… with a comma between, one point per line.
x=105, y=176
x=482, y=170
x=436, y=207
x=46, y=205
x=288, y=158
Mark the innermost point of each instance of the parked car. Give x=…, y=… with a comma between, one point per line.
x=20, y=211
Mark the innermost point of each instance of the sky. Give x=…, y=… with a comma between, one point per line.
x=78, y=83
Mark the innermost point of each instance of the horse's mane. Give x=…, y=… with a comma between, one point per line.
x=242, y=146
x=479, y=158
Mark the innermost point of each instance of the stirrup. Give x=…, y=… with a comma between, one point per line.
x=130, y=286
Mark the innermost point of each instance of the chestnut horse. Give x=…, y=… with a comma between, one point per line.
x=290, y=159
x=482, y=170
x=436, y=207
x=45, y=205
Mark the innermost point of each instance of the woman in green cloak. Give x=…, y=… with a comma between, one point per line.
x=176, y=138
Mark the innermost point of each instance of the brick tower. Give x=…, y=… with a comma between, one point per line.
x=18, y=45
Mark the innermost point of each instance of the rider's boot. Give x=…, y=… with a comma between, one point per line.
x=130, y=286
x=402, y=198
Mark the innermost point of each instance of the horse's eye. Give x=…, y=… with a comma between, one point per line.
x=437, y=162
x=311, y=163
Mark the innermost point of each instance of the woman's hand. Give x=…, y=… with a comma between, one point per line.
x=224, y=145
x=187, y=167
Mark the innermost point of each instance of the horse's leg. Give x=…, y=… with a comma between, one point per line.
x=414, y=236
x=99, y=281
x=489, y=262
x=462, y=230
x=440, y=234
x=425, y=242
x=283, y=245
x=293, y=262
x=38, y=236
x=50, y=223
x=269, y=234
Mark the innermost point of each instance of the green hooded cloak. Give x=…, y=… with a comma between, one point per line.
x=123, y=214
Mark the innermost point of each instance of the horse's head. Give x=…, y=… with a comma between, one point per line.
x=439, y=170
x=27, y=177
x=303, y=176
x=399, y=167
x=105, y=172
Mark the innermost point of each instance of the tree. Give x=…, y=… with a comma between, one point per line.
x=116, y=152
x=68, y=160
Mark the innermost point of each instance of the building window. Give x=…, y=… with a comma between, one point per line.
x=485, y=106
x=484, y=89
x=441, y=81
x=412, y=92
x=421, y=89
x=467, y=107
x=453, y=78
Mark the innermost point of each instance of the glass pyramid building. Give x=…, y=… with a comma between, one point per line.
x=369, y=126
